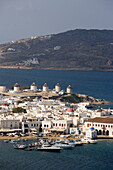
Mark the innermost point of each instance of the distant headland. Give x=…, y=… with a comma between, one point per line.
x=78, y=49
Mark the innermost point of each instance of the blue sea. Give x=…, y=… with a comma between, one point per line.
x=93, y=83
x=87, y=157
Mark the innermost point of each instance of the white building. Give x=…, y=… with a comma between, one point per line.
x=103, y=126
x=2, y=88
x=57, y=87
x=69, y=89
x=62, y=126
x=46, y=126
x=33, y=87
x=16, y=87
x=45, y=87
x=91, y=134
x=9, y=124
x=30, y=124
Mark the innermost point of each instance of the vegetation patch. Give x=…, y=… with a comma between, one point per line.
x=73, y=98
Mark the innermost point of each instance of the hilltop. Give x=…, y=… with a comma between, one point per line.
x=78, y=49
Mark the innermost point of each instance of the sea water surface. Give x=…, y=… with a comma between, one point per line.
x=93, y=83
x=86, y=157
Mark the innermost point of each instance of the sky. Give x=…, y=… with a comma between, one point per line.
x=26, y=18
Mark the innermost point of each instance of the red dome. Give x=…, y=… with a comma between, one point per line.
x=70, y=110
x=4, y=104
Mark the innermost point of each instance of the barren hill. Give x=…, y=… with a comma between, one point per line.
x=72, y=50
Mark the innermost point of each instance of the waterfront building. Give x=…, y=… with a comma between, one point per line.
x=90, y=133
x=57, y=87
x=62, y=126
x=46, y=126
x=33, y=87
x=9, y=124
x=16, y=87
x=69, y=89
x=45, y=87
x=103, y=126
x=30, y=124
x=2, y=88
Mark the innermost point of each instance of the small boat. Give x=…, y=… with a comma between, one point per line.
x=19, y=146
x=12, y=141
x=63, y=145
x=91, y=141
x=78, y=143
x=49, y=148
x=6, y=141
x=85, y=141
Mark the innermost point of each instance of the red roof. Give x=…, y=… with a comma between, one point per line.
x=70, y=110
x=4, y=104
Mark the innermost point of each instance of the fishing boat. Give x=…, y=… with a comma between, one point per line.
x=49, y=148
x=6, y=141
x=19, y=146
x=85, y=141
x=91, y=141
x=63, y=145
x=78, y=143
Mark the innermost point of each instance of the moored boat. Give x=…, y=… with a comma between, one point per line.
x=63, y=145
x=20, y=146
x=49, y=148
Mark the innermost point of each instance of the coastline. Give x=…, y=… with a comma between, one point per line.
x=54, y=68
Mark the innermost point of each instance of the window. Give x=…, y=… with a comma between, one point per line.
x=95, y=124
x=37, y=124
x=109, y=126
x=47, y=126
x=34, y=125
x=53, y=124
x=64, y=124
x=60, y=124
x=44, y=125
x=56, y=124
x=31, y=124
x=106, y=125
x=87, y=125
x=98, y=125
x=101, y=125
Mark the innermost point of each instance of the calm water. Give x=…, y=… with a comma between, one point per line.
x=99, y=156
x=96, y=84
x=95, y=157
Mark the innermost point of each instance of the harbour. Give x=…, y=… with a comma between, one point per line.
x=84, y=157
x=87, y=156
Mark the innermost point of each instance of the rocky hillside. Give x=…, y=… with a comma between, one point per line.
x=73, y=50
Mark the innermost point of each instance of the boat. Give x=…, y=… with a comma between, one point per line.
x=49, y=148
x=20, y=146
x=85, y=141
x=78, y=143
x=6, y=141
x=12, y=141
x=91, y=141
x=63, y=145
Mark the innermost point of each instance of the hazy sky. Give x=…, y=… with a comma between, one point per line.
x=26, y=18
